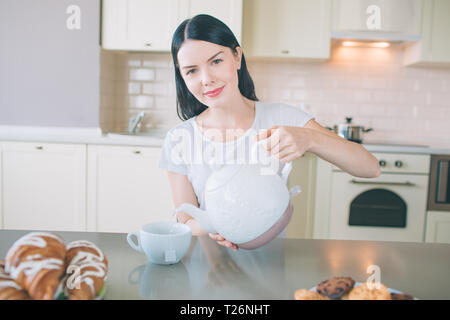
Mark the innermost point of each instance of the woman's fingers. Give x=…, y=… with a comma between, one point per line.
x=216, y=237
x=223, y=242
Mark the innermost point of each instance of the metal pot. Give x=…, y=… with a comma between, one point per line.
x=349, y=131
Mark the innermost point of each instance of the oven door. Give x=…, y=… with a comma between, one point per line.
x=391, y=207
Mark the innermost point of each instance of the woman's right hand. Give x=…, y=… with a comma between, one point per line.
x=223, y=242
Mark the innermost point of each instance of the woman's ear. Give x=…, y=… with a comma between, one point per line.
x=238, y=56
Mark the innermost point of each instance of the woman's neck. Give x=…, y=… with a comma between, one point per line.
x=237, y=113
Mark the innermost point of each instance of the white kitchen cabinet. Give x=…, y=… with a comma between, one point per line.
x=303, y=174
x=44, y=186
x=434, y=48
x=438, y=227
x=377, y=19
x=1, y=192
x=322, y=199
x=148, y=25
x=287, y=28
x=126, y=189
x=143, y=25
x=229, y=12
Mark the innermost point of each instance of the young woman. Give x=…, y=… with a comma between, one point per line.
x=217, y=102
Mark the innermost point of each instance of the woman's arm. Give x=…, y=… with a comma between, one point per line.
x=289, y=143
x=183, y=192
x=349, y=156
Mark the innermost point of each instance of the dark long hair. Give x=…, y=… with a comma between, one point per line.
x=207, y=28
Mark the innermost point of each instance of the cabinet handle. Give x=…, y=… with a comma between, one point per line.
x=39, y=147
x=406, y=184
x=285, y=51
x=137, y=152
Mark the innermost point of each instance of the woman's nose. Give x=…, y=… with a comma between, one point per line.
x=207, y=77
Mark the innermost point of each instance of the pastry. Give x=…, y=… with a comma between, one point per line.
x=304, y=294
x=336, y=287
x=36, y=263
x=86, y=271
x=364, y=292
x=401, y=296
x=9, y=289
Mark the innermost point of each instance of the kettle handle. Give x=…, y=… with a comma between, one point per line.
x=286, y=171
x=257, y=156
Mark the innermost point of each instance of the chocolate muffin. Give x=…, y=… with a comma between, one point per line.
x=336, y=287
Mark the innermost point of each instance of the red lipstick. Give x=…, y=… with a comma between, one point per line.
x=214, y=93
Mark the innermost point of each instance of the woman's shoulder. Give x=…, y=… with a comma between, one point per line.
x=277, y=106
x=280, y=108
x=180, y=128
x=280, y=113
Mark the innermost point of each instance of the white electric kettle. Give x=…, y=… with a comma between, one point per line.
x=248, y=204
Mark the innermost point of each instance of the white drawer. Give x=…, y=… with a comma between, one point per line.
x=406, y=163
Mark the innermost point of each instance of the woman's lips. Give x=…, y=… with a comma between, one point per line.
x=214, y=93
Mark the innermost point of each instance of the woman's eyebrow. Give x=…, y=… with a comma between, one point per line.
x=206, y=60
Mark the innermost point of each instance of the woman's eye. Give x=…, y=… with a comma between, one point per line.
x=190, y=71
x=217, y=61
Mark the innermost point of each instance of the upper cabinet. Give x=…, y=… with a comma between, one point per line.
x=377, y=19
x=287, y=28
x=142, y=25
x=148, y=25
x=229, y=12
x=434, y=49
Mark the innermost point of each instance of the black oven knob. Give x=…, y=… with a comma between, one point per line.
x=398, y=164
x=382, y=163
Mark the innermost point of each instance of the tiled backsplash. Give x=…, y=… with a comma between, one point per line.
x=401, y=104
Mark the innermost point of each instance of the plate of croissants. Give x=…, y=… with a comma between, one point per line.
x=42, y=266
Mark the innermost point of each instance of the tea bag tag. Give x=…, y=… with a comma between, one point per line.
x=170, y=255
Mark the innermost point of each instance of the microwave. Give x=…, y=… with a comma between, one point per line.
x=439, y=183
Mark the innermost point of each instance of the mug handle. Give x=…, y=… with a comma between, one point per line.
x=132, y=244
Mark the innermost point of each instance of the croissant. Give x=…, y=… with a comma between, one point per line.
x=88, y=267
x=36, y=263
x=9, y=289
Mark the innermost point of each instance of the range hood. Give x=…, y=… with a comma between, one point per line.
x=377, y=20
x=375, y=36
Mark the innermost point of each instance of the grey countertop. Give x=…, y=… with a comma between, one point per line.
x=275, y=271
x=155, y=138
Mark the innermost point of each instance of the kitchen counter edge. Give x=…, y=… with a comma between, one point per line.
x=95, y=136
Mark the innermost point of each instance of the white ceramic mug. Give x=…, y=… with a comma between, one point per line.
x=163, y=242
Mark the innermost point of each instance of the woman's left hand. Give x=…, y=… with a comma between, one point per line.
x=286, y=143
x=223, y=242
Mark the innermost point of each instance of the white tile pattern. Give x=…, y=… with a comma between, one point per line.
x=401, y=104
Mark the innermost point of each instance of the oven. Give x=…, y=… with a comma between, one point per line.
x=439, y=192
x=391, y=207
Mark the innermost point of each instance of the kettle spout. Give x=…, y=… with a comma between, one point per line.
x=198, y=214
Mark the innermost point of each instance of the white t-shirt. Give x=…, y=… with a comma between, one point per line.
x=187, y=151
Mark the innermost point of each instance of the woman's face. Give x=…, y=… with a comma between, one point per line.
x=209, y=71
